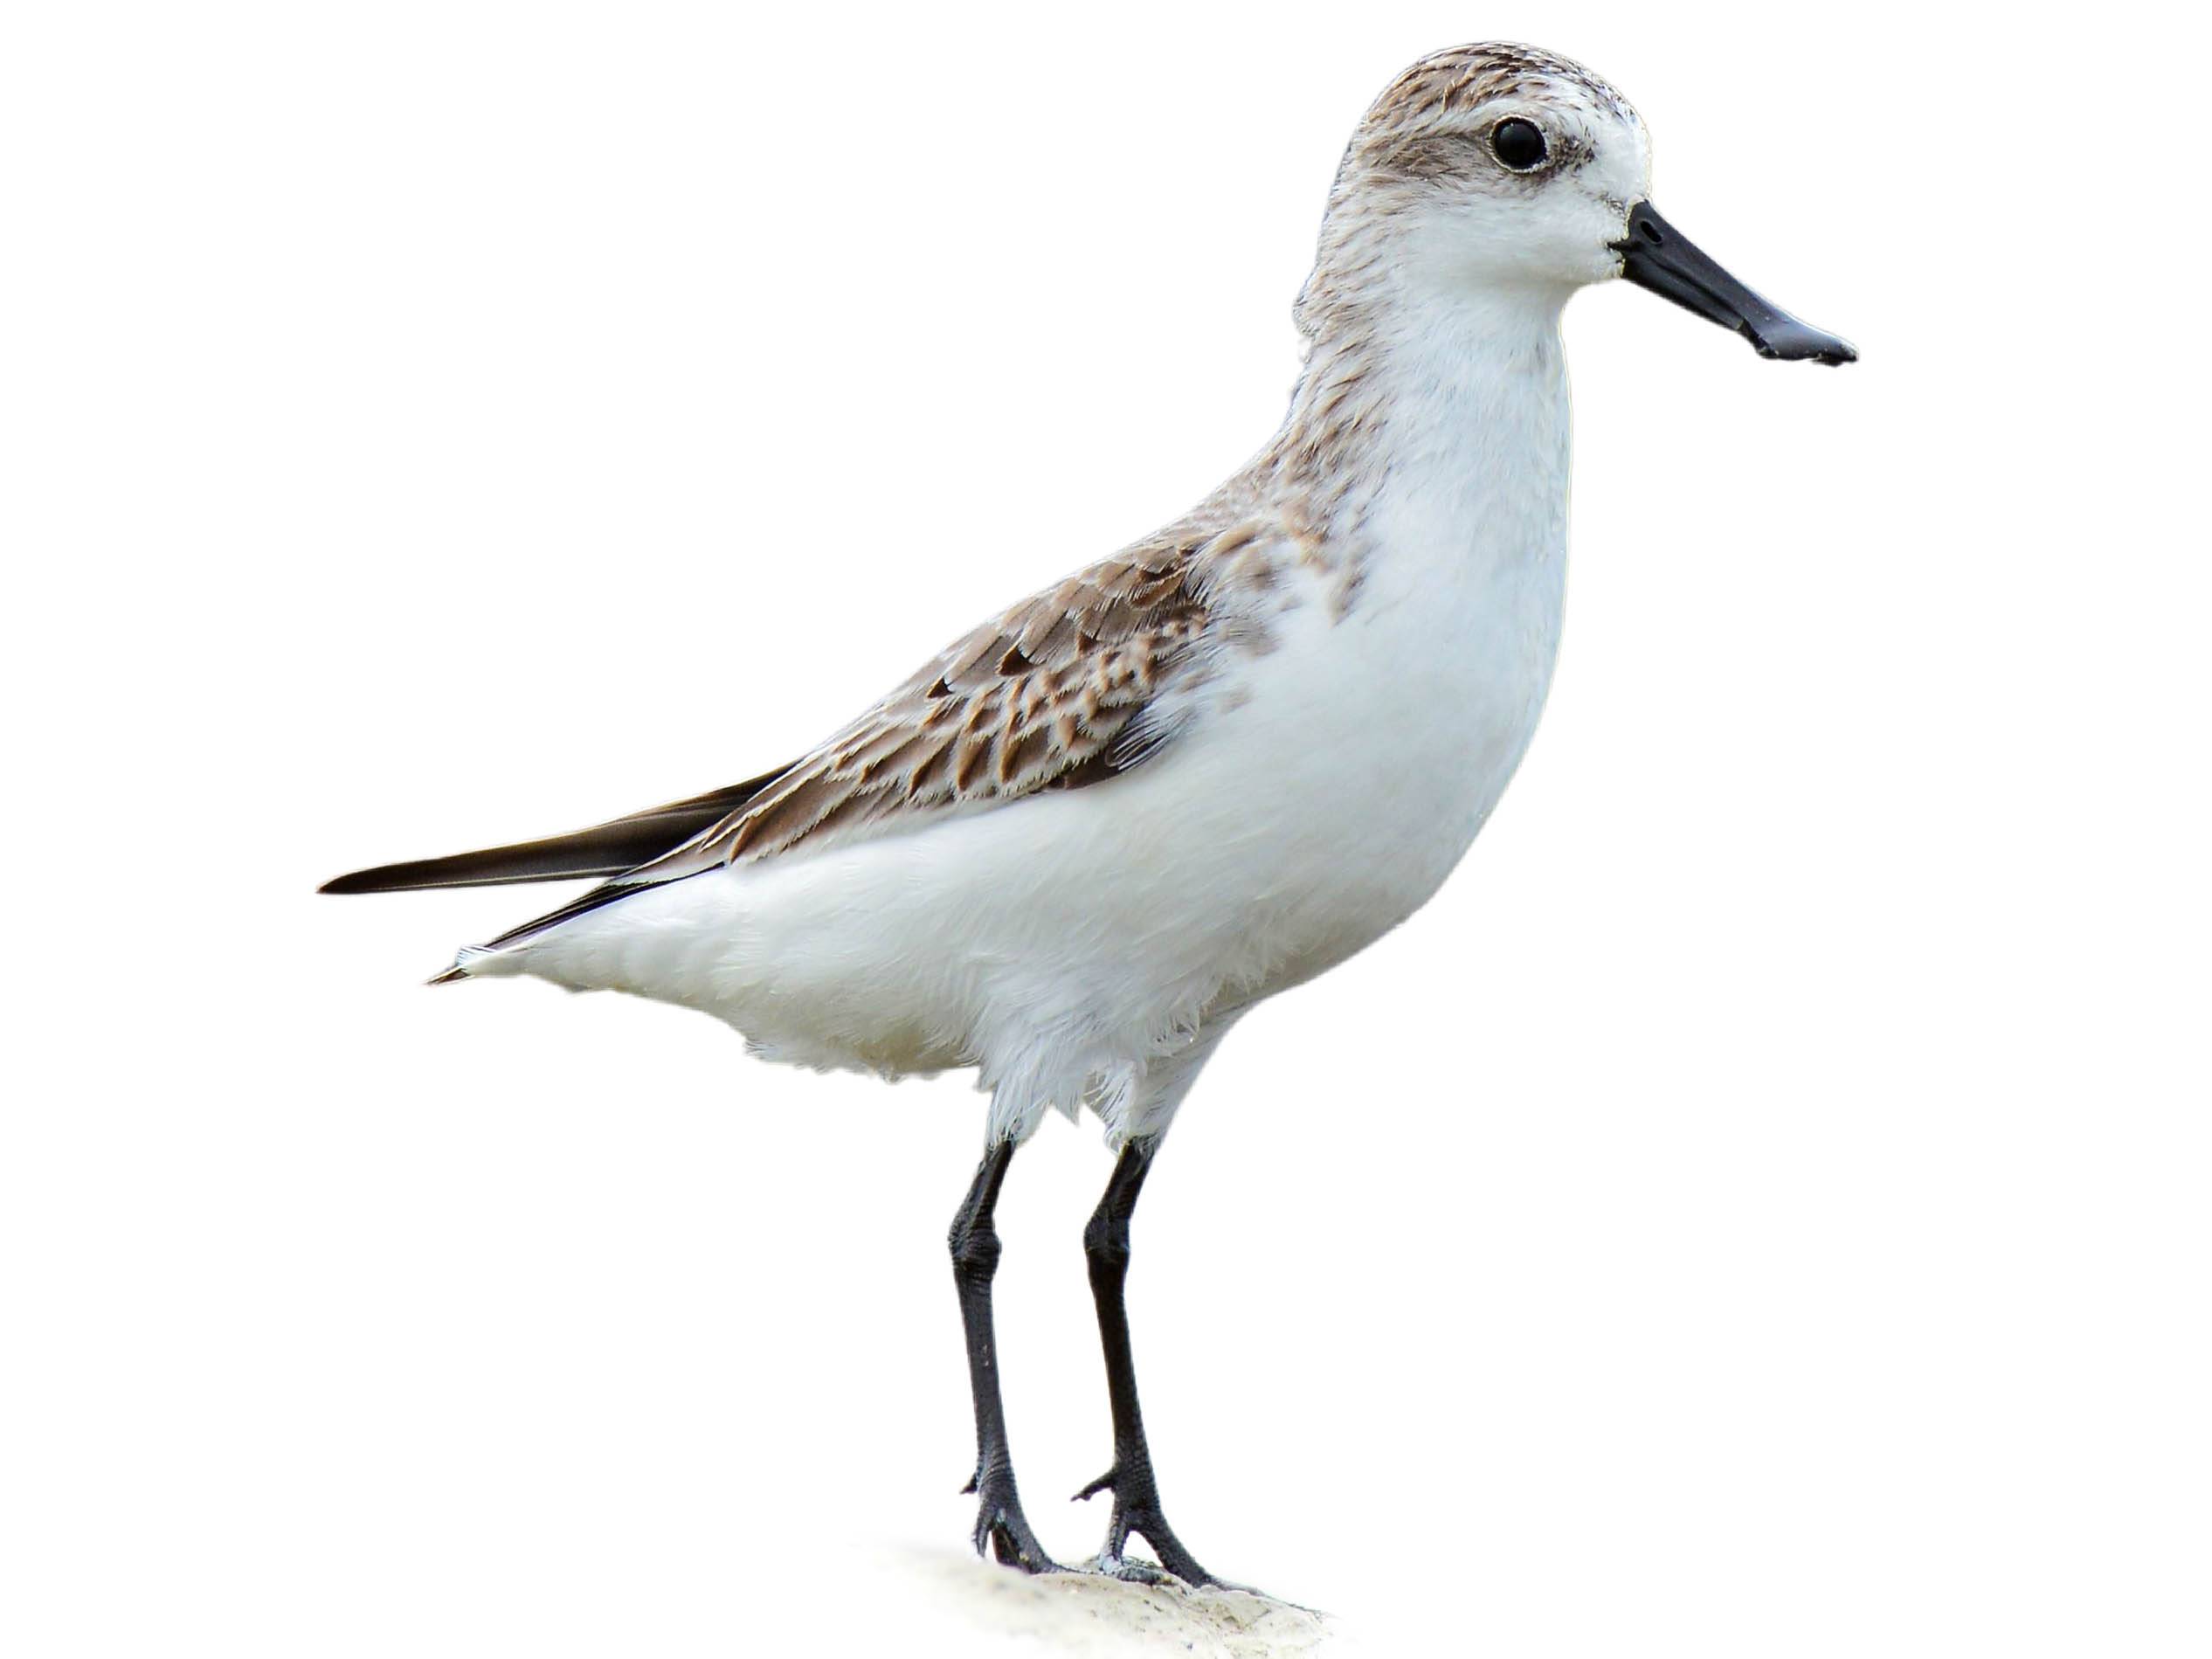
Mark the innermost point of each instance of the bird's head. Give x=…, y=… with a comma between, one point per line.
x=1490, y=173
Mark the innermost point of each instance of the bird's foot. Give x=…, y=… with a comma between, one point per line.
x=999, y=1523
x=1136, y=1510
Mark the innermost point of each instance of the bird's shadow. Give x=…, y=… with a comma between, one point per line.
x=1076, y=1612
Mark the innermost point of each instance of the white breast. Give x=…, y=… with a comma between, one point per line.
x=1378, y=743
x=1327, y=787
x=1433, y=683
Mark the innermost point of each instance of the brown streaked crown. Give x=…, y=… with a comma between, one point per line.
x=1466, y=77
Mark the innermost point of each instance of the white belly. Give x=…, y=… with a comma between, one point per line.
x=1070, y=943
x=1078, y=935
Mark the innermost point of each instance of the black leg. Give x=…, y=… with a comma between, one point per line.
x=974, y=1259
x=1137, y=1494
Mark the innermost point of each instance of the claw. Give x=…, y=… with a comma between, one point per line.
x=1130, y=1571
x=1137, y=1512
x=1002, y=1529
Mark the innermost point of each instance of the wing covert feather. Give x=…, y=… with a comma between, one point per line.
x=1052, y=694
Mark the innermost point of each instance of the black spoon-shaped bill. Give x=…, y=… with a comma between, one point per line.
x=1655, y=255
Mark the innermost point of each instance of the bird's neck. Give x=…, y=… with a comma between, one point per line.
x=1433, y=437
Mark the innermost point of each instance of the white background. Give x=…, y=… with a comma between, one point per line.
x=1759, y=1207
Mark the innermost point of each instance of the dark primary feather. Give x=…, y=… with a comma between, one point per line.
x=604, y=850
x=1054, y=693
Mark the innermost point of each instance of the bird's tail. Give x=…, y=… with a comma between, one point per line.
x=470, y=961
x=609, y=851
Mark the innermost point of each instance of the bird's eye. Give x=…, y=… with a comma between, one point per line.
x=1518, y=144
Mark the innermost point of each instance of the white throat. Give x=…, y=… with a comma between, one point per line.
x=1452, y=470
x=1457, y=530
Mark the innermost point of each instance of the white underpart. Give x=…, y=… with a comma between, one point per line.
x=1090, y=946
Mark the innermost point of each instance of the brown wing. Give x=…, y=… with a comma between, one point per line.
x=1053, y=693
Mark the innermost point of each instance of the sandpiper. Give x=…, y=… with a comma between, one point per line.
x=1075, y=846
